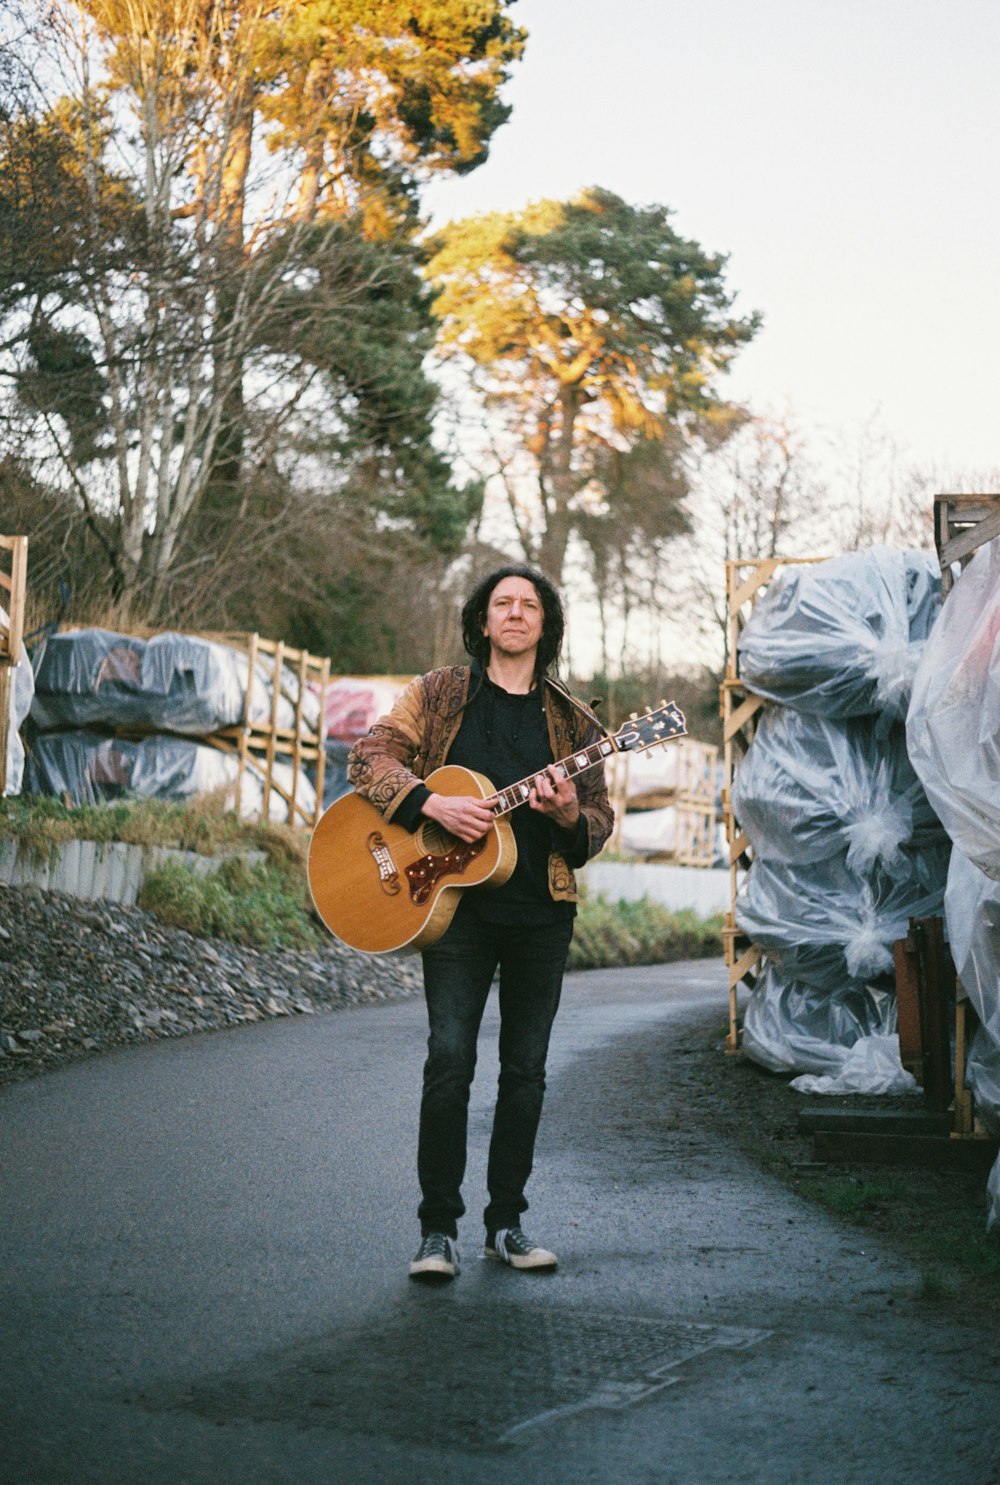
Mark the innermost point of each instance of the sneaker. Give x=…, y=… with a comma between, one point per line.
x=436, y=1258
x=511, y=1245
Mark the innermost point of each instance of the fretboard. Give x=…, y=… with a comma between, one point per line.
x=505, y=800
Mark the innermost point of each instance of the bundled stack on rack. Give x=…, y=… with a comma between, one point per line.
x=666, y=802
x=953, y=732
x=173, y=716
x=846, y=847
x=353, y=704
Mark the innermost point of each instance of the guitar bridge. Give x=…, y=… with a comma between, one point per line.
x=424, y=874
x=382, y=856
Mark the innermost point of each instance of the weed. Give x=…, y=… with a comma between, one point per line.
x=847, y=1197
x=933, y=1286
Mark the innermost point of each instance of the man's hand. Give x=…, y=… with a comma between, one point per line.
x=464, y=815
x=553, y=794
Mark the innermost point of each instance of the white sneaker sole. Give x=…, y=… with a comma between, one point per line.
x=433, y=1268
x=541, y=1258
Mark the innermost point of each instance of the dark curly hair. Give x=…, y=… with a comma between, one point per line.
x=553, y=618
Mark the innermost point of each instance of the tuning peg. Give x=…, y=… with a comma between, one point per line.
x=649, y=711
x=662, y=701
x=633, y=716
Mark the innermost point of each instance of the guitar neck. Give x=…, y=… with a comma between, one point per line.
x=505, y=800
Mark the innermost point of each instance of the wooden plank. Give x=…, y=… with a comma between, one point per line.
x=937, y=1152
x=14, y=586
x=873, y=1121
x=5, y=692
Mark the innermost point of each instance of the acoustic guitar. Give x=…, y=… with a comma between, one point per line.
x=380, y=888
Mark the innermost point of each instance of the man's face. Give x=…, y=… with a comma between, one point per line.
x=514, y=617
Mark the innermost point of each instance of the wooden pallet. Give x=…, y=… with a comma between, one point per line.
x=746, y=580
x=962, y=524
x=13, y=592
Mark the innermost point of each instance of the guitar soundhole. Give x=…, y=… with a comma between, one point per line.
x=435, y=839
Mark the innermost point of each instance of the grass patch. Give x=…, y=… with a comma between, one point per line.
x=847, y=1197
x=270, y=905
x=609, y=935
x=40, y=825
x=947, y=1237
x=266, y=906
x=934, y=1287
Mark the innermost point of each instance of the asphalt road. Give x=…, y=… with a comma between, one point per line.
x=204, y=1247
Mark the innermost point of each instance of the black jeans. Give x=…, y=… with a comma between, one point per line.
x=458, y=972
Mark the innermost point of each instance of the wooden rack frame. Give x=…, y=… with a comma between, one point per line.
x=13, y=593
x=746, y=580
x=962, y=524
x=257, y=745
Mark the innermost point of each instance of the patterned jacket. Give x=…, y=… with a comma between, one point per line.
x=413, y=739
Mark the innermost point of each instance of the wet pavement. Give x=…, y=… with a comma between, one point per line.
x=204, y=1252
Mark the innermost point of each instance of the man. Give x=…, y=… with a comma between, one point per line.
x=504, y=717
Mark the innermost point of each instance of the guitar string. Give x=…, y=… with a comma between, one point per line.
x=507, y=799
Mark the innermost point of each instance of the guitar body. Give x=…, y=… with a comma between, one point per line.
x=380, y=888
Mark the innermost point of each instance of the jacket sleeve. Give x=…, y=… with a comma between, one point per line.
x=382, y=766
x=595, y=806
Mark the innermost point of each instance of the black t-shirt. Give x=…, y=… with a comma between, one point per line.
x=504, y=736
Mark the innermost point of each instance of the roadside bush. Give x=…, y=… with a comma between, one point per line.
x=609, y=935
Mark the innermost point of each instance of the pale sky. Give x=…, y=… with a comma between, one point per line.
x=842, y=152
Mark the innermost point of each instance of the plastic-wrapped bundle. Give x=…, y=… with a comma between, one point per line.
x=650, y=832
x=792, y=1027
x=86, y=768
x=825, y=923
x=810, y=788
x=335, y=782
x=842, y=638
x=22, y=689
x=170, y=683
x=953, y=727
x=972, y=911
x=843, y=1041
x=355, y=703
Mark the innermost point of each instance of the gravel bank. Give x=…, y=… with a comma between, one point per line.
x=79, y=977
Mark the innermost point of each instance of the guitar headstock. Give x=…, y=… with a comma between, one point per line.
x=651, y=728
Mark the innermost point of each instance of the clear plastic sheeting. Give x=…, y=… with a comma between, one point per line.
x=335, y=780
x=169, y=683
x=842, y=638
x=811, y=788
x=797, y=1028
x=953, y=726
x=972, y=912
x=872, y=1065
x=650, y=832
x=22, y=689
x=825, y=923
x=993, y=1196
x=85, y=768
